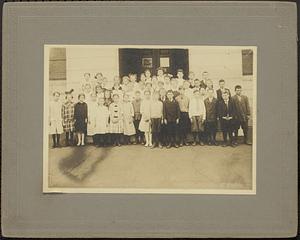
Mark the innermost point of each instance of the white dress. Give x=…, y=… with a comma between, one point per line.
x=128, y=114
x=91, y=118
x=101, y=116
x=145, y=123
x=55, y=117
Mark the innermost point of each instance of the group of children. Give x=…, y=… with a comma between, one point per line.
x=155, y=111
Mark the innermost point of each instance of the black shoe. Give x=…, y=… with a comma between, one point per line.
x=176, y=145
x=169, y=146
x=194, y=143
x=181, y=144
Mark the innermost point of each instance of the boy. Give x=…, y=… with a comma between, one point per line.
x=204, y=79
x=167, y=82
x=174, y=87
x=145, y=123
x=180, y=79
x=197, y=114
x=184, y=120
x=55, y=119
x=226, y=114
x=243, y=113
x=171, y=114
x=192, y=79
x=67, y=113
x=160, y=74
x=222, y=89
x=156, y=114
x=163, y=128
x=211, y=117
x=136, y=103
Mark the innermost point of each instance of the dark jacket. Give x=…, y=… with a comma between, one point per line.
x=242, y=107
x=219, y=93
x=223, y=110
x=171, y=110
x=211, y=109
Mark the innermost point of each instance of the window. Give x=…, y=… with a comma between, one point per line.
x=57, y=64
x=247, y=62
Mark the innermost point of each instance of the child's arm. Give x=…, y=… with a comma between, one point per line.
x=247, y=107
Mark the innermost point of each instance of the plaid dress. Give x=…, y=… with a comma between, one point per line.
x=67, y=112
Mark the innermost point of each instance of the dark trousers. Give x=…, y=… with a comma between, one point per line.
x=69, y=138
x=116, y=138
x=55, y=139
x=155, y=138
x=241, y=124
x=184, y=126
x=172, y=131
x=163, y=135
x=227, y=129
x=100, y=139
x=139, y=134
x=211, y=131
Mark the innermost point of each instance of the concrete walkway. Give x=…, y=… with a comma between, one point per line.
x=200, y=167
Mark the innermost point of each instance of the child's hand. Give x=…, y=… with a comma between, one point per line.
x=191, y=119
x=86, y=120
x=166, y=122
x=177, y=120
x=162, y=121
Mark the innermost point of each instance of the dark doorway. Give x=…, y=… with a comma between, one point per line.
x=133, y=60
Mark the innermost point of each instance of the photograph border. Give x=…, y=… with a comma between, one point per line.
x=47, y=189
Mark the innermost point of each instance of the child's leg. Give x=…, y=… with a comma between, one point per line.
x=82, y=139
x=57, y=140
x=119, y=135
x=54, y=140
x=79, y=139
x=71, y=139
x=150, y=139
x=67, y=138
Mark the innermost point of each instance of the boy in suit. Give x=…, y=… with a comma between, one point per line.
x=211, y=117
x=222, y=89
x=171, y=115
x=243, y=113
x=226, y=114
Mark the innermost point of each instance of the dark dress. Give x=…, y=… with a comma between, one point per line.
x=80, y=115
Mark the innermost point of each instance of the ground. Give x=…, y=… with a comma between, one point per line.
x=135, y=166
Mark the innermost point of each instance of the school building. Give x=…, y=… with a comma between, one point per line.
x=234, y=64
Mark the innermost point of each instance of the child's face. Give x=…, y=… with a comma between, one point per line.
x=154, y=79
x=205, y=75
x=56, y=97
x=81, y=98
x=126, y=98
x=125, y=80
x=162, y=92
x=191, y=75
x=160, y=84
x=180, y=75
x=238, y=91
x=148, y=86
x=170, y=95
x=147, y=74
x=132, y=77
x=69, y=97
x=186, y=85
x=100, y=101
x=225, y=96
x=147, y=95
x=202, y=91
x=137, y=95
x=116, y=98
x=88, y=87
x=209, y=83
x=107, y=94
x=86, y=76
x=210, y=93
x=160, y=73
x=222, y=84
x=167, y=80
x=100, y=95
x=143, y=78
x=197, y=94
x=197, y=83
x=99, y=77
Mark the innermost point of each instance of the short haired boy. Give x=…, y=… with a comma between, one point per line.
x=227, y=115
x=242, y=107
x=211, y=117
x=184, y=120
x=222, y=89
x=171, y=114
x=197, y=115
x=136, y=103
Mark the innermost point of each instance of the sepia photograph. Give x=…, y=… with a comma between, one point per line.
x=150, y=119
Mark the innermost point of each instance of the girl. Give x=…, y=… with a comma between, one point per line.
x=145, y=124
x=91, y=116
x=125, y=82
x=87, y=85
x=154, y=82
x=128, y=114
x=55, y=119
x=107, y=98
x=136, y=103
x=147, y=73
x=80, y=117
x=116, y=120
x=101, y=122
x=68, y=117
x=156, y=114
x=117, y=88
